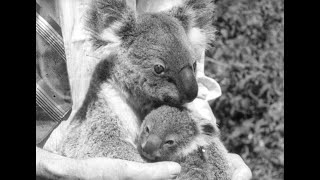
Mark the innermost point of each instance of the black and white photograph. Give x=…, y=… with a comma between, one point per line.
x=160, y=89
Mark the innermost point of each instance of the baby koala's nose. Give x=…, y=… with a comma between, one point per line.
x=152, y=144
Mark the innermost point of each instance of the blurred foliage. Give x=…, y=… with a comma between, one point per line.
x=247, y=61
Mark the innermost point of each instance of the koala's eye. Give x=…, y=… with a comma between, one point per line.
x=147, y=129
x=194, y=66
x=170, y=142
x=158, y=68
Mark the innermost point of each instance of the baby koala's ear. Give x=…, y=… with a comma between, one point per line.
x=109, y=21
x=208, y=129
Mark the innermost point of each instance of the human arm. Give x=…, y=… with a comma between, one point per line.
x=53, y=166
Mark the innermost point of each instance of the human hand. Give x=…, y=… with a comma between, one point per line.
x=109, y=169
x=240, y=170
x=54, y=166
x=105, y=168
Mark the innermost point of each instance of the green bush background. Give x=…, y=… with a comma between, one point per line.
x=247, y=61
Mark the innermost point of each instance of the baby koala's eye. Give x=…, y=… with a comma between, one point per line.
x=170, y=142
x=147, y=129
x=158, y=68
x=194, y=66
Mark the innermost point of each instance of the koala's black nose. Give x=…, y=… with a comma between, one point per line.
x=189, y=85
x=153, y=143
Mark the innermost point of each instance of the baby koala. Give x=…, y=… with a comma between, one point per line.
x=173, y=134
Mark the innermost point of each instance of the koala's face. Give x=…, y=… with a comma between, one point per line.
x=158, y=51
x=163, y=60
x=164, y=133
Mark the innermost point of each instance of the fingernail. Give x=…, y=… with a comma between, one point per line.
x=173, y=176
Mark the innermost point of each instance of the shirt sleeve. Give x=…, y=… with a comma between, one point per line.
x=209, y=89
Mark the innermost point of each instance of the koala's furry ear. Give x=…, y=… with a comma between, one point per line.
x=208, y=129
x=110, y=21
x=196, y=16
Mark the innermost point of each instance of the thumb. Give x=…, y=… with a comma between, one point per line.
x=150, y=171
x=241, y=170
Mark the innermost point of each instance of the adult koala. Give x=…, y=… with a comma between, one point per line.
x=153, y=63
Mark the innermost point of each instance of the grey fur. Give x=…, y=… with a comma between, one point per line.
x=171, y=122
x=101, y=135
x=97, y=131
x=149, y=39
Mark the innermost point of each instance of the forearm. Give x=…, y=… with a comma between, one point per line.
x=54, y=166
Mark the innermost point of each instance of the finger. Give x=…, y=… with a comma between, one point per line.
x=150, y=171
x=241, y=170
x=242, y=174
